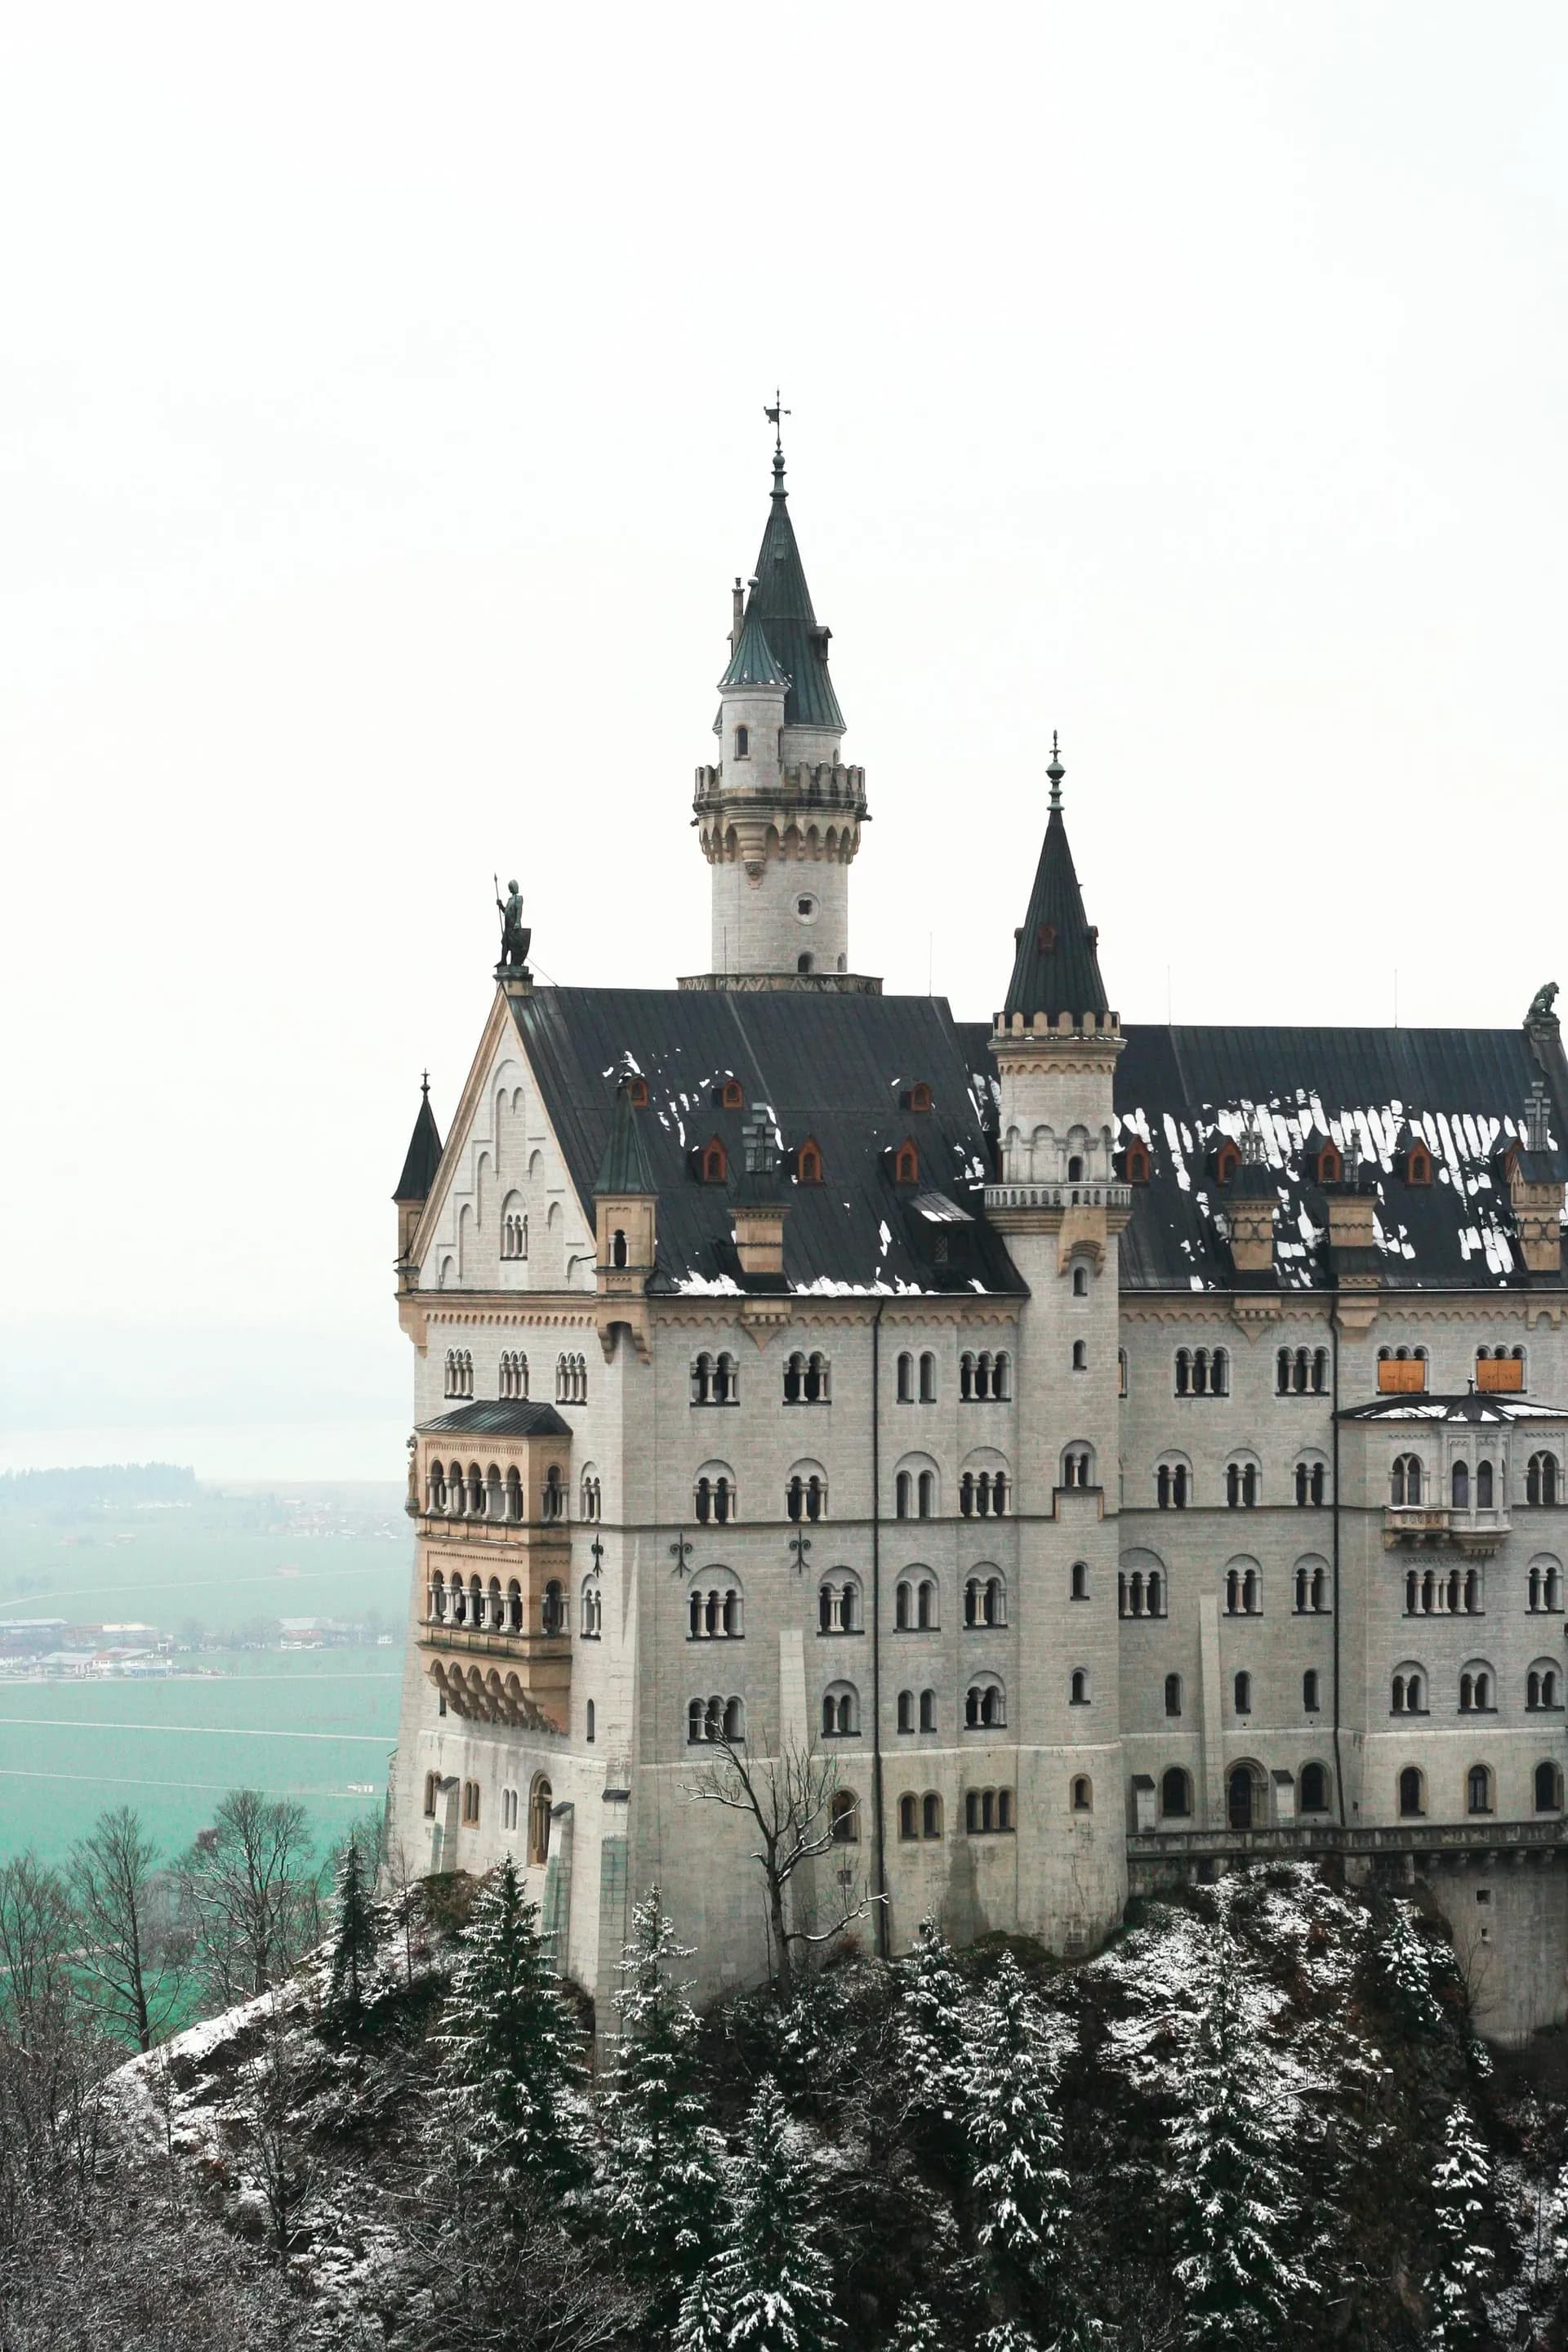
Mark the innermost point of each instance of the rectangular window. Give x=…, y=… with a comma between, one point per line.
x=1402, y=1375
x=1499, y=1375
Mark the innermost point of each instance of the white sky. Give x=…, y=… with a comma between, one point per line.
x=381, y=400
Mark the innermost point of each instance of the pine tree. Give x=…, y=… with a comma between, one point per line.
x=1020, y=2191
x=354, y=1936
x=659, y=2173
x=509, y=2048
x=769, y=2288
x=918, y=2329
x=1456, y=2288
x=931, y=2031
x=1234, y=2209
x=1411, y=1969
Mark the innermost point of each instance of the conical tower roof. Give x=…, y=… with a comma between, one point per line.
x=624, y=1166
x=752, y=663
x=780, y=600
x=1056, y=967
x=424, y=1154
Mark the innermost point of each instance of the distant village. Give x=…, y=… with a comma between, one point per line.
x=56, y=1649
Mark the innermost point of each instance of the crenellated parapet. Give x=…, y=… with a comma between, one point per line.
x=803, y=813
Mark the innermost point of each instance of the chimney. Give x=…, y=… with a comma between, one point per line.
x=759, y=1212
x=737, y=613
x=1251, y=1206
x=1537, y=1120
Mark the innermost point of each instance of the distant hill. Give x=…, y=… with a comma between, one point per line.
x=110, y=1482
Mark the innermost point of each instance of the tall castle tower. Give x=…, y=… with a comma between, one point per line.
x=779, y=816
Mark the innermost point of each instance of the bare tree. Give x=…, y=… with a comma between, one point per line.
x=125, y=1947
x=789, y=1799
x=53, y=2057
x=252, y=1900
x=272, y=2104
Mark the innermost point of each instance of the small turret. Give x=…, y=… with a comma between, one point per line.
x=420, y=1163
x=625, y=1220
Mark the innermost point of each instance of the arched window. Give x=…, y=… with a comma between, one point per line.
x=538, y=1804
x=844, y=1818
x=915, y=1602
x=906, y=1710
x=1244, y=1693
x=735, y=1721
x=1459, y=1486
x=1548, y=1789
x=809, y=1162
x=930, y=1815
x=1082, y=1794
x=743, y=742
x=619, y=1255
x=714, y=1497
x=840, y=1711
x=1542, y=1686
x=1312, y=1795
x=1227, y=1159
x=1541, y=1480
x=909, y=1817
x=432, y=1790
x=906, y=1163
x=1136, y=1163
x=1412, y=1793
x=589, y=1497
x=1172, y=1485
x=1545, y=1583
x=590, y=1608
x=1311, y=1699
x=1078, y=1466
x=903, y=1495
x=1419, y=1165
x=905, y=1380
x=1476, y=1683
x=1173, y=1694
x=806, y=1492
x=1309, y=1483
x=927, y=1710
x=1080, y=1356
x=1331, y=1167
x=1081, y=1282
x=552, y=1496
x=1175, y=1794
x=1078, y=1686
x=714, y=1163
x=984, y=1705
x=838, y=1604
x=1405, y=1483
x=1078, y=1589
x=1478, y=1788
x=928, y=1377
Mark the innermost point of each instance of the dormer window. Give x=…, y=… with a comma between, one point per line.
x=1227, y=1159
x=733, y=1095
x=715, y=1163
x=743, y=742
x=1419, y=1165
x=919, y=1096
x=636, y=1093
x=906, y=1164
x=1331, y=1167
x=809, y=1162
x=1136, y=1164
x=1045, y=937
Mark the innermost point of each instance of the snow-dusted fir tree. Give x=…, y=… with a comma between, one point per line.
x=509, y=2048
x=930, y=2028
x=1461, y=2199
x=1413, y=1971
x=1020, y=2193
x=769, y=2287
x=658, y=2185
x=1230, y=2172
x=354, y=1935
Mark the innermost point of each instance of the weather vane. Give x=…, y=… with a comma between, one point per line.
x=775, y=416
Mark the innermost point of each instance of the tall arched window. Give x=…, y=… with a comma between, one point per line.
x=1459, y=1486
x=538, y=1804
x=1412, y=1793
x=1312, y=1794
x=1406, y=1483
x=1175, y=1794
x=844, y=1818
x=1078, y=1585
x=1478, y=1788
x=1173, y=1694
x=1548, y=1787
x=840, y=1711
x=1541, y=1480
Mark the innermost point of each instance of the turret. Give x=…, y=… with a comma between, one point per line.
x=625, y=1222
x=419, y=1165
x=779, y=815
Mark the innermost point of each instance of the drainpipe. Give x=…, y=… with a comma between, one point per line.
x=1338, y=1776
x=878, y=1838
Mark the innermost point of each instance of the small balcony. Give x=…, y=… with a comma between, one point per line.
x=1441, y=1527
x=1086, y=1194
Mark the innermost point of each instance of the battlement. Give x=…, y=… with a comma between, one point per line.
x=828, y=786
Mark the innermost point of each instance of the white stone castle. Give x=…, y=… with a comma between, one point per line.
x=1121, y=1450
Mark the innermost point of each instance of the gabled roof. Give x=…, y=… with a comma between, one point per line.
x=423, y=1156
x=624, y=1168
x=835, y=1068
x=1056, y=969
x=1462, y=1092
x=751, y=663
x=780, y=601
x=497, y=1420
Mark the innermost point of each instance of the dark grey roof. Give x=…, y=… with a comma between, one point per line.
x=1492, y=1410
x=624, y=1166
x=497, y=1420
x=780, y=600
x=1055, y=968
x=1463, y=1091
x=832, y=1067
x=423, y=1156
x=753, y=662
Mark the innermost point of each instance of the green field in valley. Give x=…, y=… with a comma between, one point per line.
x=217, y=1573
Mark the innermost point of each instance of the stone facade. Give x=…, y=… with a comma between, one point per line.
x=1147, y=1449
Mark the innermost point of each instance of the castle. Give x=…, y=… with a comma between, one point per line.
x=1121, y=1452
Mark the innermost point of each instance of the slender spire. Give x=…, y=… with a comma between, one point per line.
x=424, y=1154
x=1055, y=967
x=780, y=600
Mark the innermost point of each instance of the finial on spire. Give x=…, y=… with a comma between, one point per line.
x=1056, y=771
x=425, y=1082
x=774, y=415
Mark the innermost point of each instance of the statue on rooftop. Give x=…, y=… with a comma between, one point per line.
x=514, y=934
x=1540, y=1005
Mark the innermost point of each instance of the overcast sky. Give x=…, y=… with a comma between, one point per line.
x=380, y=431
